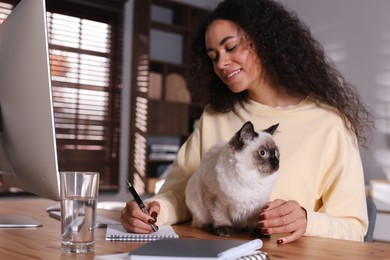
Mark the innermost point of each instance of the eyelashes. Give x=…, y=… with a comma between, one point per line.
x=232, y=49
x=228, y=50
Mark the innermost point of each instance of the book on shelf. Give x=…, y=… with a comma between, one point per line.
x=155, y=85
x=176, y=89
x=191, y=248
x=118, y=233
x=163, y=152
x=164, y=148
x=162, y=156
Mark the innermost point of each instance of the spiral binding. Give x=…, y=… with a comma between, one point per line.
x=138, y=238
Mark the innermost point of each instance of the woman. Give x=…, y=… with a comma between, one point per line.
x=258, y=62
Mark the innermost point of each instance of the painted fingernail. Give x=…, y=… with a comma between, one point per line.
x=265, y=207
x=264, y=231
x=279, y=241
x=260, y=224
x=154, y=215
x=151, y=221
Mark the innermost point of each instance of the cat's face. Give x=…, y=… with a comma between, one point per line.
x=256, y=149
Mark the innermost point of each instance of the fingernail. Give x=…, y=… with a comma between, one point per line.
x=279, y=241
x=154, y=215
x=260, y=224
x=151, y=221
x=264, y=231
x=265, y=207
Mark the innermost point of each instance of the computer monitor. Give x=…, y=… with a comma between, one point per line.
x=27, y=133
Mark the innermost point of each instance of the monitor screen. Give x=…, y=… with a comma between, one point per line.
x=27, y=134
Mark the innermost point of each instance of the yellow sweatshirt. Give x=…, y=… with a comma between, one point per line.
x=320, y=165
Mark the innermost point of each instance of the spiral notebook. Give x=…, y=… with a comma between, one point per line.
x=118, y=233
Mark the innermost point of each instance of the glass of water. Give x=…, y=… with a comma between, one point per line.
x=79, y=192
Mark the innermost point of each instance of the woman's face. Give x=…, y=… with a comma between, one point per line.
x=234, y=60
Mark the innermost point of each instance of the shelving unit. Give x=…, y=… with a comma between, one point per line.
x=162, y=107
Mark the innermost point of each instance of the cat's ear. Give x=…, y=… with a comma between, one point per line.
x=271, y=130
x=247, y=132
x=243, y=136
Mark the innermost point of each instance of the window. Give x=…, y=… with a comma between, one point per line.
x=85, y=42
x=5, y=10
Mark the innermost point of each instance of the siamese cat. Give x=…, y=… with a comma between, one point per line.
x=232, y=184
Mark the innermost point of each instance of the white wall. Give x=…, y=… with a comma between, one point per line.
x=356, y=35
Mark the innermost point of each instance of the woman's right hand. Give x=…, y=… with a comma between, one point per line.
x=135, y=220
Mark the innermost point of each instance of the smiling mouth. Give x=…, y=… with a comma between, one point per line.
x=232, y=74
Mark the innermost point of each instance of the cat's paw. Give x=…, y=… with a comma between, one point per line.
x=208, y=227
x=257, y=234
x=224, y=231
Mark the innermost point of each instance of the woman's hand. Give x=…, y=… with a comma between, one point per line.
x=135, y=220
x=280, y=216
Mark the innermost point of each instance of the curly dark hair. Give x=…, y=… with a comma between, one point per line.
x=290, y=57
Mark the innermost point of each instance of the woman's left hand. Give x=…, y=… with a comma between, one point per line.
x=280, y=216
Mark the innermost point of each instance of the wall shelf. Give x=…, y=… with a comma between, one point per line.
x=162, y=106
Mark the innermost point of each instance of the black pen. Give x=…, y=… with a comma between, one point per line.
x=140, y=203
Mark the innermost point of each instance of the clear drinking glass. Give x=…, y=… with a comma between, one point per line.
x=79, y=192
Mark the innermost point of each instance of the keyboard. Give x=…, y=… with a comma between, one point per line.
x=101, y=222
